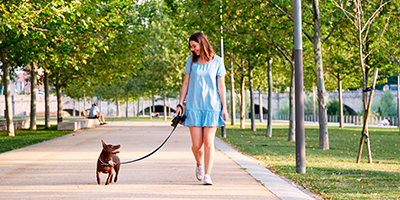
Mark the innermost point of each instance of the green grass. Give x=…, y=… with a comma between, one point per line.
x=333, y=173
x=25, y=138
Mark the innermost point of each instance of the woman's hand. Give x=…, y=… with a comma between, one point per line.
x=224, y=114
x=178, y=111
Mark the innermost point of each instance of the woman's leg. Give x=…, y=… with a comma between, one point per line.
x=197, y=143
x=209, y=150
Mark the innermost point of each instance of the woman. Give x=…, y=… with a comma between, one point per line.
x=204, y=90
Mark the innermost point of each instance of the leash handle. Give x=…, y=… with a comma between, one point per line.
x=151, y=153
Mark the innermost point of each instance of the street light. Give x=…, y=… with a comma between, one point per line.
x=298, y=60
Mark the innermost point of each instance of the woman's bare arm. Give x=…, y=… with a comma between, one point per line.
x=184, y=90
x=222, y=96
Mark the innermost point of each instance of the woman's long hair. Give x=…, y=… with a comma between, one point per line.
x=206, y=49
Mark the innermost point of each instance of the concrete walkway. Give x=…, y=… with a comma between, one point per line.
x=65, y=168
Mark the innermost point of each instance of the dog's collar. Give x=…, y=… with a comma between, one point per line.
x=110, y=162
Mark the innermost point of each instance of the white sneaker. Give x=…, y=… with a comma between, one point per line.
x=199, y=172
x=207, y=180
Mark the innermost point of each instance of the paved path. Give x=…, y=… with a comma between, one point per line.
x=64, y=168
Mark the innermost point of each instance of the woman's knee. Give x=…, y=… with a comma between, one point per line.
x=209, y=135
x=196, y=146
x=208, y=144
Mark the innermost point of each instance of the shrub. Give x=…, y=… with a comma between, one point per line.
x=384, y=106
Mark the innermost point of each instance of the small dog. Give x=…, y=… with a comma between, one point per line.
x=106, y=162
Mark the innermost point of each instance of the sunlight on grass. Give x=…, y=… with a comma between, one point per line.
x=333, y=173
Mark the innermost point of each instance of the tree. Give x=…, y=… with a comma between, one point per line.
x=363, y=26
x=18, y=25
x=284, y=45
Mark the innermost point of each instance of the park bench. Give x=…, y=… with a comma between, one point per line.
x=19, y=124
x=77, y=124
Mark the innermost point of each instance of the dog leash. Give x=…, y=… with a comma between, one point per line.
x=151, y=153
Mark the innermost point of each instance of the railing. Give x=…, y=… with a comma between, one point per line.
x=349, y=119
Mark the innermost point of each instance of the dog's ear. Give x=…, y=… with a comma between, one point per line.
x=104, y=144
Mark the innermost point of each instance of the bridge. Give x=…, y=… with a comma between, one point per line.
x=352, y=101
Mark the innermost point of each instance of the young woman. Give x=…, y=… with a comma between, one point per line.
x=204, y=90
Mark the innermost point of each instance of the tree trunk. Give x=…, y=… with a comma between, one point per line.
x=323, y=130
x=169, y=107
x=165, y=106
x=242, y=103
x=47, y=101
x=84, y=104
x=99, y=103
x=7, y=95
x=269, y=127
x=138, y=103
x=126, y=103
x=108, y=106
x=313, y=104
x=79, y=107
x=33, y=77
x=151, y=108
x=323, y=124
x=252, y=107
x=152, y=101
x=340, y=104
x=364, y=133
x=260, y=104
x=292, y=123
x=117, y=102
x=233, y=102
x=73, y=107
x=365, y=94
x=59, y=102
x=143, y=110
x=134, y=108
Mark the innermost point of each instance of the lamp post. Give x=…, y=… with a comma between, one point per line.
x=299, y=102
x=223, y=130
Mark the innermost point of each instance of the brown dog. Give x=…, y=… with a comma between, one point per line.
x=106, y=162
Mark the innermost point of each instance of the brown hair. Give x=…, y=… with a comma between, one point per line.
x=205, y=47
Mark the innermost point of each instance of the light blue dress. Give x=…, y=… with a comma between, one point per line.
x=203, y=104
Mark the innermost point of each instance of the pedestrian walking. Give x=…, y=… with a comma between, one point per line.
x=204, y=90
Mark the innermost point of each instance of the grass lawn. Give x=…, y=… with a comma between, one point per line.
x=333, y=173
x=25, y=138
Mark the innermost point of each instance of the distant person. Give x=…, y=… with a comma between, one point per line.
x=95, y=114
x=385, y=122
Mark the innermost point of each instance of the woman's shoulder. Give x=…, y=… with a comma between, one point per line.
x=189, y=59
x=217, y=59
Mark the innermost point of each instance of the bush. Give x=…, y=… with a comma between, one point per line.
x=308, y=108
x=384, y=106
x=284, y=107
x=333, y=108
